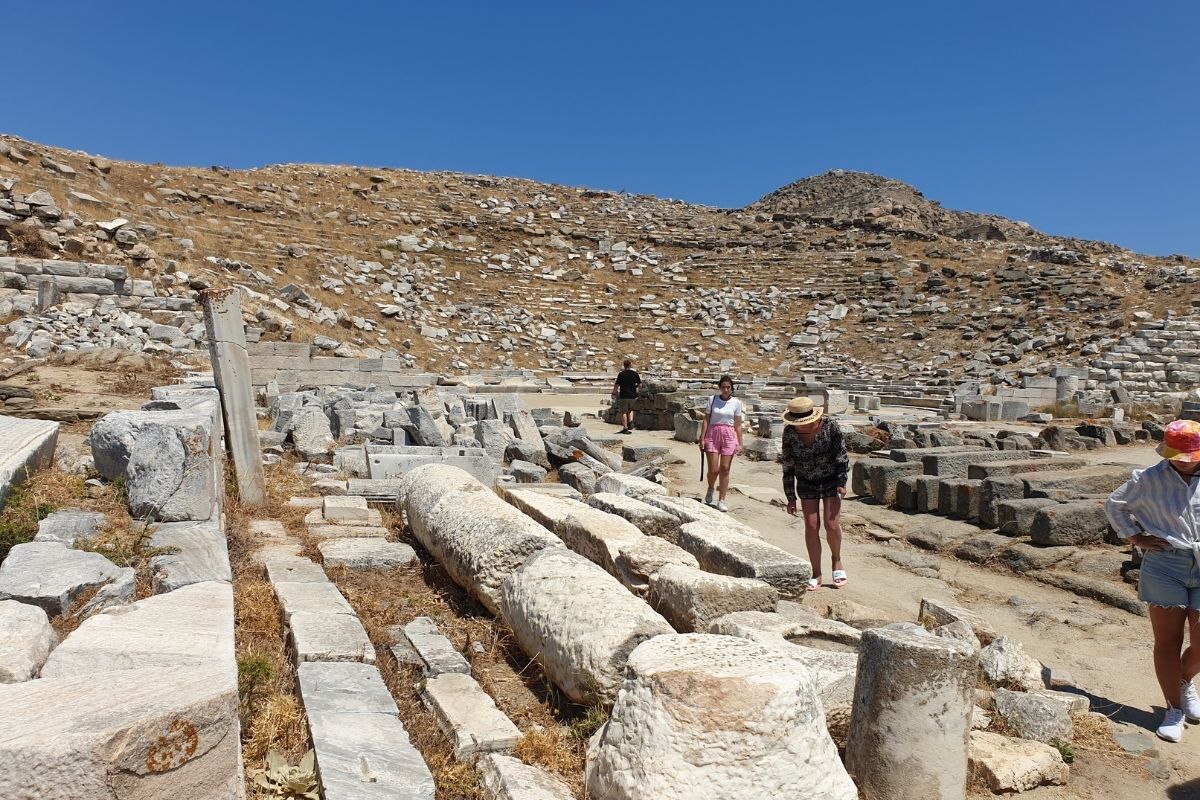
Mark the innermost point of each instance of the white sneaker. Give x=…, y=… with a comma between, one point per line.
x=721, y=506
x=708, y=497
x=1190, y=700
x=1171, y=729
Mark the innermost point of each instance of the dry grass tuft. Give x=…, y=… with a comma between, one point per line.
x=1093, y=732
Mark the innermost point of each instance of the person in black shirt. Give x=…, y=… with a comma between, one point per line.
x=624, y=392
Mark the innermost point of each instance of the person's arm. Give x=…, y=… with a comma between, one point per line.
x=841, y=457
x=789, y=473
x=1119, y=509
x=737, y=428
x=614, y=389
x=637, y=383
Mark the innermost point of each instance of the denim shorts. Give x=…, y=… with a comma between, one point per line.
x=1171, y=579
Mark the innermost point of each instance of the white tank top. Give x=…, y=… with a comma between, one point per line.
x=722, y=412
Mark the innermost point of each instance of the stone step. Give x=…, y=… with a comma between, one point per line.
x=362, y=748
x=468, y=716
x=28, y=445
x=421, y=643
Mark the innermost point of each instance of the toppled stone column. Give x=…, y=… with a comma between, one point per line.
x=718, y=717
x=231, y=369
x=577, y=621
x=477, y=537
x=911, y=722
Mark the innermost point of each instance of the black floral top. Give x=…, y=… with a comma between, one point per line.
x=818, y=470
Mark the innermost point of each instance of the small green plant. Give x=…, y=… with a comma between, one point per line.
x=589, y=723
x=284, y=780
x=1065, y=750
x=20, y=517
x=253, y=671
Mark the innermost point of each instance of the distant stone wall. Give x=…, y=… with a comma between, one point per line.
x=1159, y=356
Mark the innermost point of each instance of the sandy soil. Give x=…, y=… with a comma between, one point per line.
x=1107, y=651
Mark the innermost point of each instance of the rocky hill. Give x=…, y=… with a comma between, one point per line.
x=842, y=271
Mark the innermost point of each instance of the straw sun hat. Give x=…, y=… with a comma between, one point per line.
x=801, y=411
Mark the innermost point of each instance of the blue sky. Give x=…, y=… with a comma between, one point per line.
x=1082, y=119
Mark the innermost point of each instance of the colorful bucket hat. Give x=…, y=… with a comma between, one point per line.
x=1181, y=441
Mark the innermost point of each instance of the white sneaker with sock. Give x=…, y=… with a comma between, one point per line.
x=708, y=497
x=721, y=506
x=1172, y=726
x=1190, y=701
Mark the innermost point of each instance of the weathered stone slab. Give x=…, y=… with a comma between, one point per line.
x=1034, y=716
x=312, y=435
x=691, y=599
x=325, y=636
x=791, y=622
x=437, y=655
x=155, y=731
x=370, y=552
x=362, y=749
x=577, y=621
x=197, y=553
x=392, y=462
x=52, y=576
x=320, y=597
x=26, y=639
x=347, y=532
x=468, y=716
x=191, y=625
x=1068, y=524
x=996, y=469
x=629, y=485
x=729, y=553
x=595, y=534
x=351, y=510
x=1006, y=765
x=506, y=778
x=293, y=569
x=637, y=562
x=165, y=457
x=1092, y=480
x=954, y=465
x=371, y=517
x=754, y=716
x=686, y=510
x=28, y=445
x=69, y=525
x=919, y=453
x=646, y=518
x=477, y=537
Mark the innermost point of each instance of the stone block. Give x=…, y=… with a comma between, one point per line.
x=435, y=653
x=350, y=510
x=928, y=493
x=644, y=517
x=730, y=553
x=193, y=552
x=468, y=716
x=755, y=715
x=69, y=525
x=362, y=749
x=26, y=639
x=906, y=493
x=1005, y=765
x=883, y=476
x=579, y=477
x=936, y=613
x=997, y=469
x=506, y=778
x=166, y=459
x=328, y=636
x=1034, y=716
x=691, y=599
x=155, y=731
x=368, y=552
x=192, y=625
x=1066, y=524
x=955, y=465
x=52, y=576
x=393, y=462
x=629, y=485
x=995, y=490
x=1015, y=517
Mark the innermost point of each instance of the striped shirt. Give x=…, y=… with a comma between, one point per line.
x=1160, y=502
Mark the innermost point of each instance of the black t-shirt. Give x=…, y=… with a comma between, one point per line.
x=628, y=382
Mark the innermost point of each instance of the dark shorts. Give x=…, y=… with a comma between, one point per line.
x=624, y=404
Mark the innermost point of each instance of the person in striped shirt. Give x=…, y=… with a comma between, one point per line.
x=1158, y=509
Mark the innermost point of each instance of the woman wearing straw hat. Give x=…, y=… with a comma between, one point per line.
x=1158, y=509
x=815, y=468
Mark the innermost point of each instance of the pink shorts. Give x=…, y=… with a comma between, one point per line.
x=721, y=439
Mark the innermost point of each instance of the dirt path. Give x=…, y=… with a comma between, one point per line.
x=1106, y=651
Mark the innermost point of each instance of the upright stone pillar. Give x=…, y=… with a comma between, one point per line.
x=231, y=368
x=1065, y=387
x=911, y=721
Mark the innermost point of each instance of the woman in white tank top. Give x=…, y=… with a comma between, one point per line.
x=721, y=439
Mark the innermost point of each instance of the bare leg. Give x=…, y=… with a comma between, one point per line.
x=726, y=462
x=1189, y=663
x=1167, y=624
x=714, y=468
x=833, y=528
x=811, y=509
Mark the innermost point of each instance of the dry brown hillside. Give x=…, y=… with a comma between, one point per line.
x=842, y=270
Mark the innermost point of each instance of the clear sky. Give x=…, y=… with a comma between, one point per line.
x=1081, y=118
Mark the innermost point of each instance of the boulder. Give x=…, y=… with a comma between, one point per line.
x=1034, y=716
x=52, y=576
x=165, y=458
x=1004, y=662
x=577, y=621
x=26, y=639
x=718, y=715
x=311, y=435
x=1005, y=765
